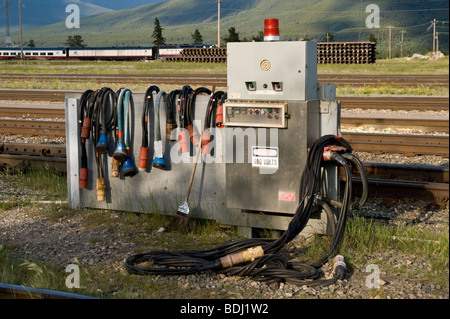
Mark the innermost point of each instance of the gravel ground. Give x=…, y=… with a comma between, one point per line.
x=66, y=239
x=32, y=235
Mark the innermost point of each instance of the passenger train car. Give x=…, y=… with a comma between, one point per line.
x=111, y=53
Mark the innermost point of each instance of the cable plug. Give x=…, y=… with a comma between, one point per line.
x=86, y=128
x=115, y=168
x=143, y=158
x=329, y=150
x=84, y=172
x=219, y=116
x=339, y=267
x=101, y=187
x=238, y=258
x=206, y=139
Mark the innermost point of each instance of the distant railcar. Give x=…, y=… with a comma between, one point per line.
x=100, y=53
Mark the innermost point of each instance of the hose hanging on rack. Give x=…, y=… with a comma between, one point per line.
x=124, y=121
x=219, y=112
x=148, y=99
x=171, y=121
x=85, y=111
x=101, y=126
x=260, y=258
x=210, y=122
x=190, y=104
x=159, y=160
x=183, y=135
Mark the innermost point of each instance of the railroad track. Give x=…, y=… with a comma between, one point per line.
x=408, y=144
x=220, y=80
x=424, y=103
x=385, y=180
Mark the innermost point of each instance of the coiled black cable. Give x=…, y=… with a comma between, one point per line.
x=271, y=267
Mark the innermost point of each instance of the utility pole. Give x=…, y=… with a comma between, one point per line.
x=434, y=35
x=401, y=46
x=21, y=37
x=218, y=23
x=390, y=38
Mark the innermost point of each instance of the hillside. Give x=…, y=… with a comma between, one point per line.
x=345, y=19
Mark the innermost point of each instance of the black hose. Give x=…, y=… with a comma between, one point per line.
x=362, y=173
x=271, y=267
x=148, y=99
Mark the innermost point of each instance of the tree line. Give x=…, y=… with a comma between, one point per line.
x=77, y=41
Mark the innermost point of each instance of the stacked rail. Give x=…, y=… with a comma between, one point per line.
x=346, y=52
x=327, y=52
x=202, y=55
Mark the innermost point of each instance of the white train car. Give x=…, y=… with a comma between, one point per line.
x=33, y=53
x=139, y=53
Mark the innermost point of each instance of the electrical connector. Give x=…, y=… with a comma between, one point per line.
x=241, y=257
x=115, y=168
x=101, y=187
x=184, y=141
x=339, y=267
x=219, y=116
x=83, y=177
x=86, y=128
x=206, y=139
x=143, y=158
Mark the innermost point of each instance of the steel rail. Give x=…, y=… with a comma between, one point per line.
x=409, y=144
x=385, y=180
x=221, y=79
x=425, y=125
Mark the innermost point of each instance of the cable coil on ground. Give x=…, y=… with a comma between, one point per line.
x=260, y=258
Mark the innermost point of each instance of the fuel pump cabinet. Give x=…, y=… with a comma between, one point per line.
x=273, y=113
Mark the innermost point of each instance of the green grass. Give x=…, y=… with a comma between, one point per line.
x=394, y=66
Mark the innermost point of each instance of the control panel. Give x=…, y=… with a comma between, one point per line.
x=272, y=70
x=256, y=114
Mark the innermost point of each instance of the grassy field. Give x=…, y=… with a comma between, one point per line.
x=394, y=66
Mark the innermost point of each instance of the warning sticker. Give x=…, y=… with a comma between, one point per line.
x=265, y=157
x=286, y=196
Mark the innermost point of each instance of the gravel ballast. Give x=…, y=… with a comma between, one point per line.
x=32, y=235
